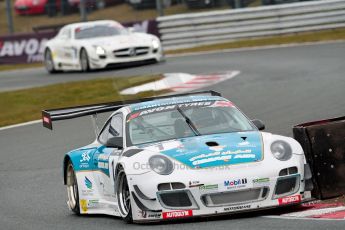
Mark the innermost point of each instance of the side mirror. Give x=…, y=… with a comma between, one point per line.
x=259, y=124
x=115, y=142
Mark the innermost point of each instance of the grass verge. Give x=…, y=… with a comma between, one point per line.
x=26, y=105
x=326, y=35
x=7, y=67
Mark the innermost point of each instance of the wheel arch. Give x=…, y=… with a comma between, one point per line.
x=65, y=163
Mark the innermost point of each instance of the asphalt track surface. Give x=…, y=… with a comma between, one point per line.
x=282, y=86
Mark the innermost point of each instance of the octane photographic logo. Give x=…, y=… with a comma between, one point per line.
x=32, y=48
x=239, y=183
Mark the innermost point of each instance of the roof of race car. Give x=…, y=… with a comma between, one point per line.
x=171, y=101
x=91, y=23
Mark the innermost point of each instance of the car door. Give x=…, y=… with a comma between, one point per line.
x=66, y=50
x=106, y=157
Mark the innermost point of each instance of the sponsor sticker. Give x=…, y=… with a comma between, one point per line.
x=235, y=208
x=177, y=214
x=208, y=187
x=93, y=204
x=194, y=184
x=238, y=183
x=88, y=183
x=261, y=180
x=83, y=205
x=146, y=214
x=84, y=160
x=289, y=200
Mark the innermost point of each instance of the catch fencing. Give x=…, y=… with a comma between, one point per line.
x=190, y=30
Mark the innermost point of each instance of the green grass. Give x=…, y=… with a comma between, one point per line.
x=326, y=35
x=7, y=67
x=26, y=105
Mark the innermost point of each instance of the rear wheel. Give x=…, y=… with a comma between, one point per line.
x=72, y=189
x=84, y=61
x=49, y=62
x=123, y=196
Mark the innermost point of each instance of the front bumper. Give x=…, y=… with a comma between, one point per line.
x=211, y=192
x=112, y=59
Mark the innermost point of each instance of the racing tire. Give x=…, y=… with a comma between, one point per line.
x=123, y=196
x=49, y=62
x=84, y=61
x=72, y=189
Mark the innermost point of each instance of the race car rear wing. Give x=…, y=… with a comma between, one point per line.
x=48, y=116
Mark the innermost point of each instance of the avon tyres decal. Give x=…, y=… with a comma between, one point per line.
x=232, y=148
x=171, y=101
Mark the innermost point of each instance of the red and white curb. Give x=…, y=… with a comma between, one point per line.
x=319, y=211
x=181, y=82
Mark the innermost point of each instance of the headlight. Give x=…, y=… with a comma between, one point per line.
x=100, y=51
x=281, y=150
x=155, y=44
x=161, y=165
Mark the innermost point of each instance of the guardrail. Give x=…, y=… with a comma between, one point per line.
x=190, y=30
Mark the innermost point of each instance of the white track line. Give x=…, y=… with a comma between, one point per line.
x=20, y=125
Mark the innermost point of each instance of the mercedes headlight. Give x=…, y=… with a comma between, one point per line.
x=155, y=44
x=281, y=150
x=161, y=165
x=100, y=51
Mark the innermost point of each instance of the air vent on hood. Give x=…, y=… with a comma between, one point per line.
x=212, y=143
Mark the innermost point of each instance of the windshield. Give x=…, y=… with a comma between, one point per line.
x=160, y=124
x=99, y=31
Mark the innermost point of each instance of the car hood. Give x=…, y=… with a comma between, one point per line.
x=213, y=150
x=122, y=41
x=23, y=2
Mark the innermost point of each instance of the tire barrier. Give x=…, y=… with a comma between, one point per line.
x=324, y=146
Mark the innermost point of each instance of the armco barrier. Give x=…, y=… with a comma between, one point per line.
x=324, y=146
x=28, y=48
x=190, y=30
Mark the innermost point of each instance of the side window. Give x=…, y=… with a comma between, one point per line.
x=65, y=33
x=104, y=134
x=115, y=128
x=112, y=129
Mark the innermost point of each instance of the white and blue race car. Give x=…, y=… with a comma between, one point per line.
x=180, y=156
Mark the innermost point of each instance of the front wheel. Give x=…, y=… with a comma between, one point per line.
x=123, y=196
x=84, y=61
x=72, y=189
x=49, y=62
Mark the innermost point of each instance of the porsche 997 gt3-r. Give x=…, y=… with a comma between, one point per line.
x=180, y=156
x=97, y=45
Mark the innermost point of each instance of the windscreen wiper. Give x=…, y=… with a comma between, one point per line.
x=189, y=122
